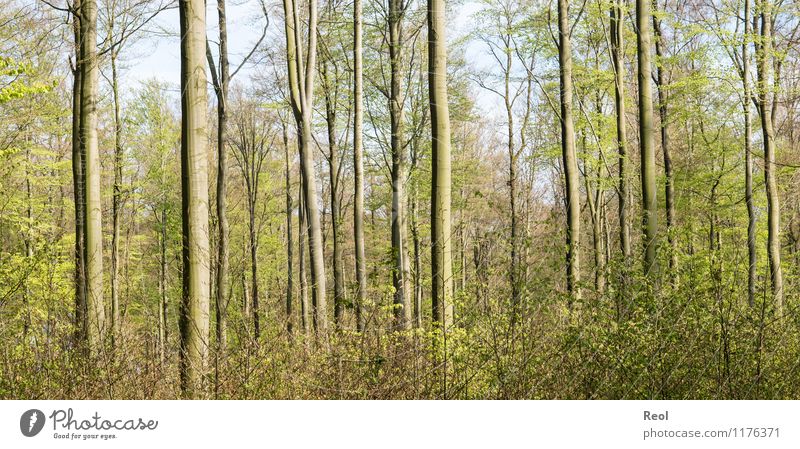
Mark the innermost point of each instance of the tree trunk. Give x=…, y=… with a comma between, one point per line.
x=289, y=242
x=623, y=189
x=766, y=100
x=78, y=181
x=333, y=170
x=358, y=163
x=570, y=159
x=163, y=334
x=302, y=100
x=669, y=182
x=398, y=170
x=646, y=143
x=748, y=161
x=93, y=211
x=116, y=203
x=251, y=201
x=441, y=258
x=512, y=180
x=194, y=183
x=304, y=307
x=221, y=90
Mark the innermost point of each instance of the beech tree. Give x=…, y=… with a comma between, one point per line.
x=301, y=86
x=194, y=312
x=646, y=140
x=441, y=259
x=570, y=159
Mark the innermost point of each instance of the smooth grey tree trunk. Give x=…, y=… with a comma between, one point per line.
x=400, y=264
x=669, y=179
x=302, y=100
x=441, y=258
x=766, y=104
x=358, y=163
x=96, y=322
x=646, y=142
x=570, y=159
x=194, y=316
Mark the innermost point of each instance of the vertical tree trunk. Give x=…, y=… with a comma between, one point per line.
x=333, y=170
x=93, y=211
x=78, y=180
x=221, y=82
x=251, y=208
x=441, y=260
x=623, y=188
x=766, y=100
x=512, y=176
x=194, y=184
x=302, y=226
x=669, y=183
x=570, y=159
x=289, y=242
x=748, y=161
x=358, y=163
x=646, y=142
x=302, y=100
x=116, y=203
x=398, y=170
x=163, y=333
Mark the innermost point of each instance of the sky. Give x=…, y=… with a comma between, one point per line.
x=159, y=57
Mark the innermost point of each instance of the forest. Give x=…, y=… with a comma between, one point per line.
x=399, y=199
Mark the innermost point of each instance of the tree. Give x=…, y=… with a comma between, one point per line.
x=663, y=99
x=569, y=157
x=121, y=21
x=400, y=271
x=505, y=21
x=646, y=143
x=302, y=101
x=358, y=162
x=752, y=255
x=93, y=249
x=623, y=189
x=221, y=78
x=252, y=140
x=441, y=258
x=194, y=315
x=331, y=80
x=765, y=86
x=78, y=151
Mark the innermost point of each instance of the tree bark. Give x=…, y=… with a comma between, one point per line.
x=116, y=203
x=569, y=156
x=302, y=100
x=623, y=188
x=441, y=260
x=221, y=83
x=765, y=104
x=93, y=212
x=402, y=311
x=333, y=170
x=303, y=227
x=194, y=183
x=78, y=181
x=669, y=182
x=646, y=142
x=163, y=333
x=748, y=161
x=358, y=163
x=289, y=240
